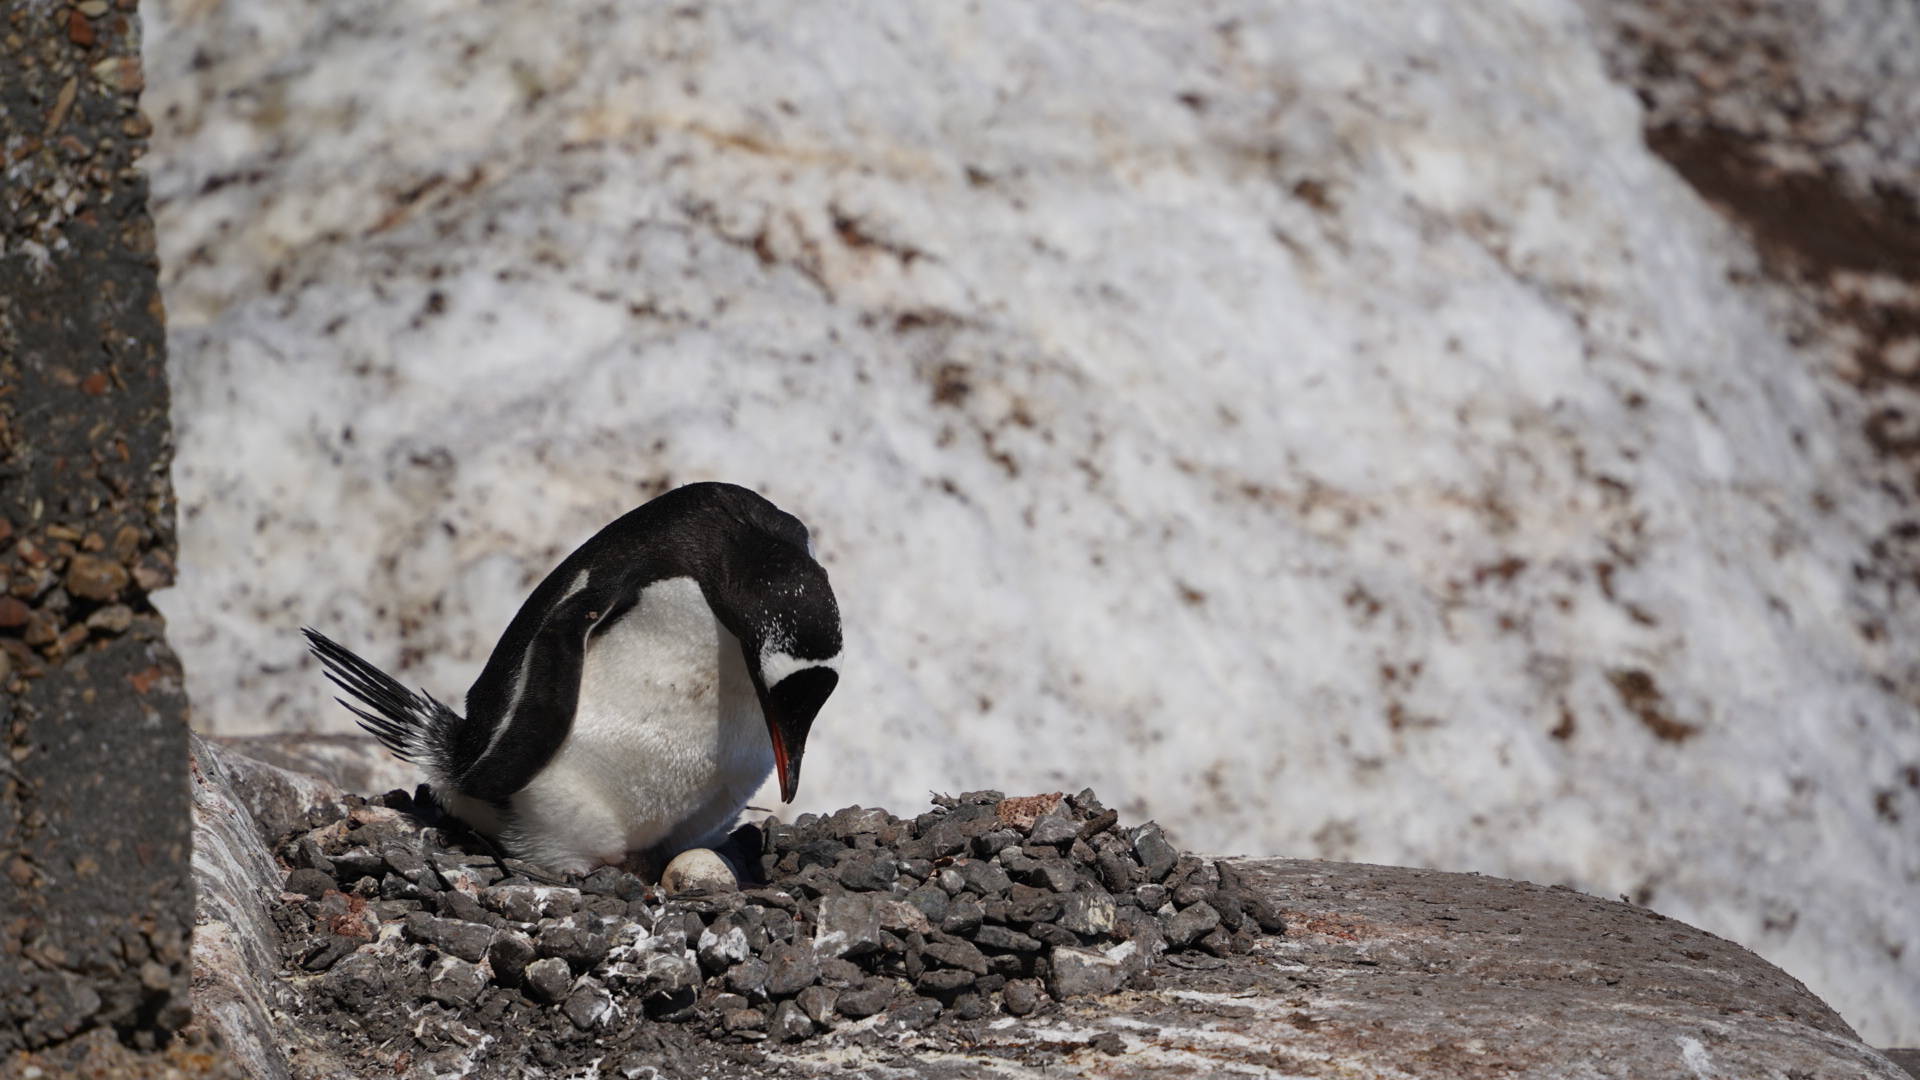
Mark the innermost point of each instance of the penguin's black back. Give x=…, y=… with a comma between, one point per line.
x=731, y=541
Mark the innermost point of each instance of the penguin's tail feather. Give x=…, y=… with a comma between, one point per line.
x=415, y=727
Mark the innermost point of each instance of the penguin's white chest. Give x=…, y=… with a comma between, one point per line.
x=668, y=741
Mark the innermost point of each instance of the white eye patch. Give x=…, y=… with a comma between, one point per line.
x=776, y=665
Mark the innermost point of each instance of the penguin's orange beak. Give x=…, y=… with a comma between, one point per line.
x=785, y=766
x=790, y=708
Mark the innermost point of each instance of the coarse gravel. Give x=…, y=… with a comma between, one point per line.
x=411, y=937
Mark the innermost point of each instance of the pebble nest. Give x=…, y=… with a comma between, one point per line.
x=424, y=942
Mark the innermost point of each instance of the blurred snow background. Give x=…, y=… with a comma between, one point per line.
x=1322, y=426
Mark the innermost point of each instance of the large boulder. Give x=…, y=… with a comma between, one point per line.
x=1382, y=971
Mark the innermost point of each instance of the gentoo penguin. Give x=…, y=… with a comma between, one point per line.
x=642, y=694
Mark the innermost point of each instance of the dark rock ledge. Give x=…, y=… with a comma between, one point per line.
x=1383, y=971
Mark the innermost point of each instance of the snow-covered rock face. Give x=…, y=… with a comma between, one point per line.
x=1324, y=425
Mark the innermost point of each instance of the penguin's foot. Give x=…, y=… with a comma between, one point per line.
x=647, y=864
x=741, y=852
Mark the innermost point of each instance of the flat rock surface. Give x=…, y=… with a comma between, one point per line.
x=350, y=762
x=1389, y=971
x=1417, y=972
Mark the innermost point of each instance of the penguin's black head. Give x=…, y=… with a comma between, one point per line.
x=790, y=631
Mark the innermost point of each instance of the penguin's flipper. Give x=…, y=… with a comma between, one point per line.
x=415, y=727
x=528, y=727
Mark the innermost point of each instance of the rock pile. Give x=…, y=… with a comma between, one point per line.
x=983, y=904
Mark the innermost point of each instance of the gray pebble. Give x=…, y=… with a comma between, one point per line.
x=1074, y=972
x=395, y=887
x=1191, y=893
x=944, y=980
x=455, y=904
x=951, y=881
x=668, y=975
x=841, y=974
x=957, y=954
x=749, y=979
x=516, y=902
x=310, y=883
x=944, y=839
x=356, y=863
x=1042, y=908
x=547, y=980
x=407, y=864
x=308, y=855
x=1010, y=965
x=1020, y=998
x=509, y=954
x=984, y=878
x=722, y=945
x=867, y=875
x=790, y=1023
x=931, y=900
x=1017, y=863
x=1263, y=914
x=327, y=951
x=849, y=926
x=1049, y=934
x=357, y=982
x=825, y=854
x=1186, y=927
x=1231, y=915
x=466, y=940
x=791, y=969
x=852, y=821
x=1055, y=874
x=963, y=917
x=604, y=881
x=858, y=1004
x=999, y=937
x=1087, y=913
x=818, y=1003
x=455, y=982
x=1054, y=829
x=1115, y=871
x=589, y=1006
x=1217, y=942
x=917, y=1014
x=581, y=949
x=1156, y=855
x=989, y=844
